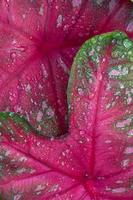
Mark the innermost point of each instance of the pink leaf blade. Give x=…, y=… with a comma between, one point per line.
x=65, y=19
x=25, y=92
x=17, y=165
x=21, y=169
x=42, y=186
x=77, y=155
x=100, y=88
x=50, y=155
x=17, y=133
x=18, y=139
x=52, y=27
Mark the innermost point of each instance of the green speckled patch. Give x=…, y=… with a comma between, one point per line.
x=19, y=121
x=14, y=127
x=101, y=80
x=94, y=51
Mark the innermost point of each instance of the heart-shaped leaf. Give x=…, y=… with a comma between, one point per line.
x=38, y=40
x=94, y=161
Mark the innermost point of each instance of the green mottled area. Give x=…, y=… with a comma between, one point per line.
x=19, y=163
x=123, y=49
x=93, y=51
x=123, y=73
x=9, y=118
x=48, y=127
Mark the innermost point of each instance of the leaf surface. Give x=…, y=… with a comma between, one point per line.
x=101, y=107
x=38, y=40
x=92, y=162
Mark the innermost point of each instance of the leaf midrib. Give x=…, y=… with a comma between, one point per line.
x=96, y=112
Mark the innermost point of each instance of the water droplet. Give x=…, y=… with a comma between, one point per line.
x=125, y=163
x=24, y=16
x=50, y=112
x=80, y=91
x=39, y=116
x=130, y=133
x=13, y=56
x=17, y=197
x=28, y=88
x=44, y=105
x=59, y=21
x=100, y=77
x=118, y=190
x=129, y=150
x=127, y=43
x=86, y=175
x=107, y=141
x=82, y=132
x=130, y=27
x=21, y=48
x=11, y=114
x=41, y=11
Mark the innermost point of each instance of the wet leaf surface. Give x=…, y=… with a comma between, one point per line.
x=93, y=161
x=38, y=41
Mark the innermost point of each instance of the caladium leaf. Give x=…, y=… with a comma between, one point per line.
x=36, y=168
x=94, y=161
x=101, y=99
x=38, y=40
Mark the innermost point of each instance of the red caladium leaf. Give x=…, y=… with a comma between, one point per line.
x=38, y=40
x=94, y=161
